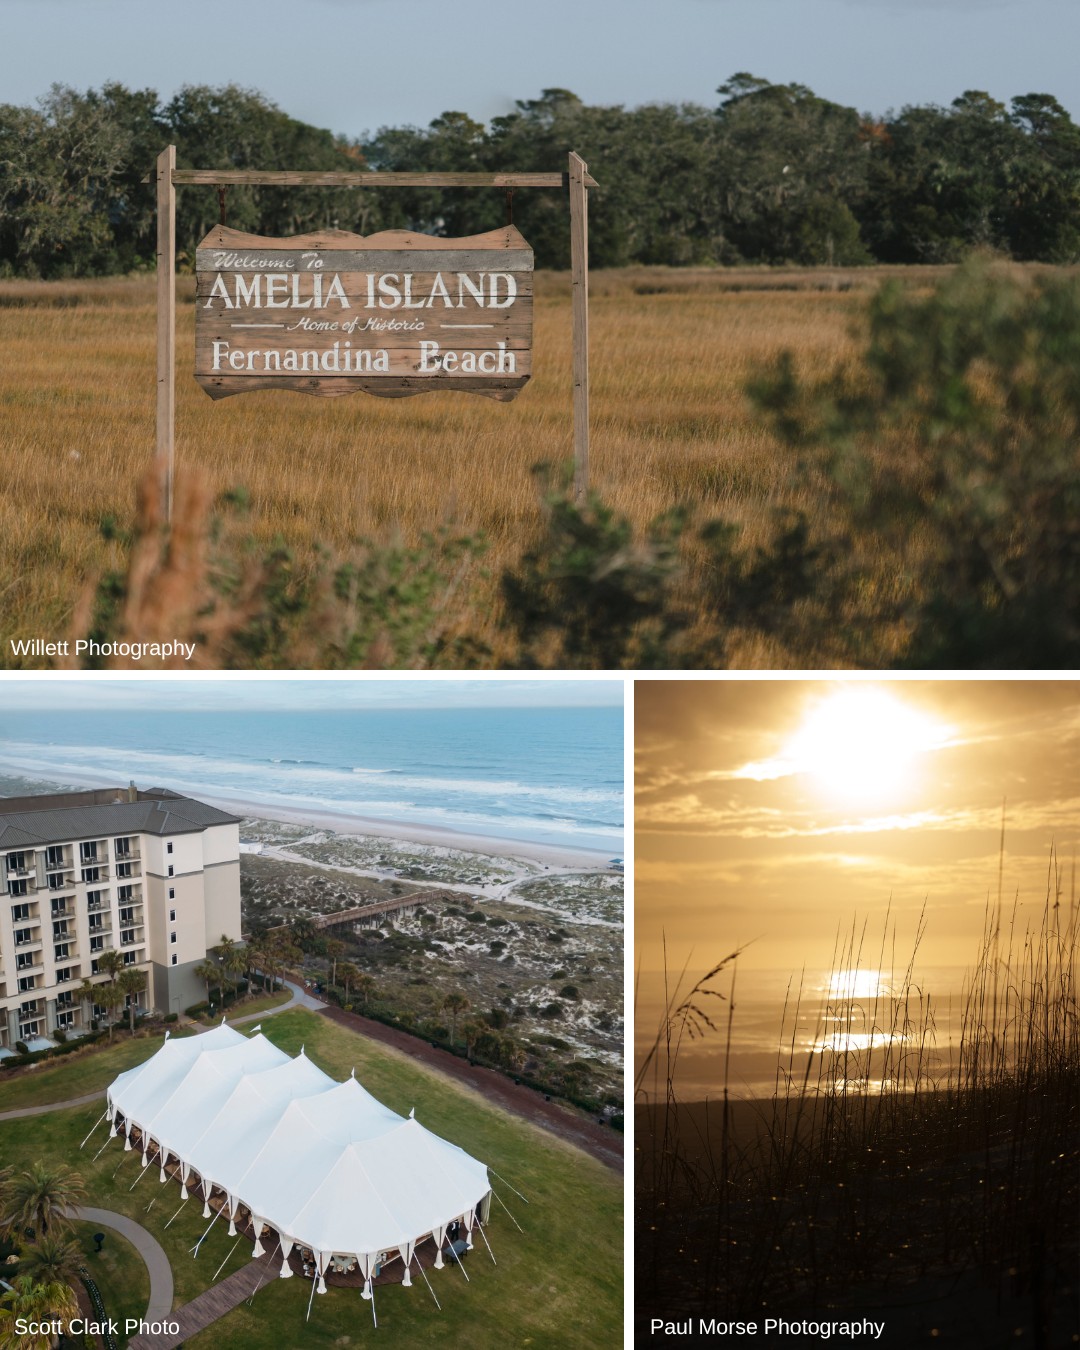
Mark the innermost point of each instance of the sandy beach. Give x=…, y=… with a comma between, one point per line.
x=340, y=822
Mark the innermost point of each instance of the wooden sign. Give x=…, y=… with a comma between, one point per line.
x=393, y=313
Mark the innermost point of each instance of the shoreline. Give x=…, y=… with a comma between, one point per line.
x=349, y=825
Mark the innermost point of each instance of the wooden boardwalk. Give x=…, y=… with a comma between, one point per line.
x=218, y=1300
x=378, y=907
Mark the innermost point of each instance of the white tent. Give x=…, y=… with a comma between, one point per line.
x=323, y=1163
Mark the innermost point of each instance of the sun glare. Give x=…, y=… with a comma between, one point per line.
x=863, y=742
x=856, y=982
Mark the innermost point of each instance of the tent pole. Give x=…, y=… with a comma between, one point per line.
x=506, y=1183
x=210, y=1225
x=458, y=1260
x=311, y=1296
x=487, y=1244
x=512, y=1219
x=101, y=1150
x=140, y=1176
x=423, y=1272
x=151, y=1205
x=222, y=1266
x=258, y=1284
x=177, y=1212
x=373, y=1317
x=96, y=1124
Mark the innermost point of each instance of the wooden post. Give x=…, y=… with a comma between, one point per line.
x=166, y=324
x=579, y=279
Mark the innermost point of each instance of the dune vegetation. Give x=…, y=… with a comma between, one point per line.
x=935, y=1193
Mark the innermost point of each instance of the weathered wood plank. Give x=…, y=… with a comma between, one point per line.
x=300, y=178
x=390, y=386
x=506, y=237
x=579, y=269
x=356, y=260
x=451, y=323
x=166, y=324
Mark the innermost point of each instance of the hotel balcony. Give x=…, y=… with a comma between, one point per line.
x=28, y=944
x=94, y=873
x=132, y=937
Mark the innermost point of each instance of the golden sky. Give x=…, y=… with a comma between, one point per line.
x=767, y=812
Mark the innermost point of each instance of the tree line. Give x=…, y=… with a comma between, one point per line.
x=772, y=174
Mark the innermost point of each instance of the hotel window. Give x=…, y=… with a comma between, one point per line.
x=56, y=882
x=66, y=1019
x=172, y=939
x=23, y=936
x=125, y=893
x=59, y=907
x=127, y=915
x=54, y=857
x=170, y=869
x=91, y=874
x=60, y=928
x=172, y=915
x=97, y=944
x=168, y=848
x=24, y=960
x=62, y=976
x=20, y=913
x=95, y=898
x=123, y=869
x=88, y=853
x=26, y=983
x=172, y=892
x=174, y=959
x=19, y=887
x=61, y=951
x=123, y=848
x=129, y=958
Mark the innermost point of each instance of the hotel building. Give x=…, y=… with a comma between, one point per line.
x=151, y=874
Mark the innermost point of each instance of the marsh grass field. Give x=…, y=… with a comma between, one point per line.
x=873, y=1184
x=672, y=352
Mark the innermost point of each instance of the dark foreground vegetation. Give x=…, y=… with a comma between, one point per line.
x=941, y=1202
x=931, y=519
x=772, y=174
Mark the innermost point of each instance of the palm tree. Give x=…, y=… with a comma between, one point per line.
x=39, y=1197
x=349, y=976
x=53, y=1259
x=87, y=990
x=111, y=997
x=110, y=963
x=335, y=950
x=207, y=971
x=255, y=954
x=454, y=1004
x=132, y=981
x=38, y=1303
x=364, y=985
x=234, y=961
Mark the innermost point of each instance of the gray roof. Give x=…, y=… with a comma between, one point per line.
x=61, y=817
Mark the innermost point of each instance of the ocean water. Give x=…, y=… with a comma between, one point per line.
x=539, y=775
x=790, y=1030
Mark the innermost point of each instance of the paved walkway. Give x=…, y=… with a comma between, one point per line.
x=218, y=1300
x=148, y=1247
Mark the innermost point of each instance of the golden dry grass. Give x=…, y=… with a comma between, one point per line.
x=671, y=354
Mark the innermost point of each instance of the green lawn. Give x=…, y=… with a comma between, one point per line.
x=118, y=1271
x=74, y=1075
x=557, y=1284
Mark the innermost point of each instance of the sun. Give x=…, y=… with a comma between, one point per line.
x=863, y=742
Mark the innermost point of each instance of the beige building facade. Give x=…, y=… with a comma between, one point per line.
x=149, y=873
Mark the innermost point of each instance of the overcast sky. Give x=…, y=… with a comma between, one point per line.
x=194, y=694
x=356, y=65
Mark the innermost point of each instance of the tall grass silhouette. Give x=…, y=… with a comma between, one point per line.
x=934, y=1187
